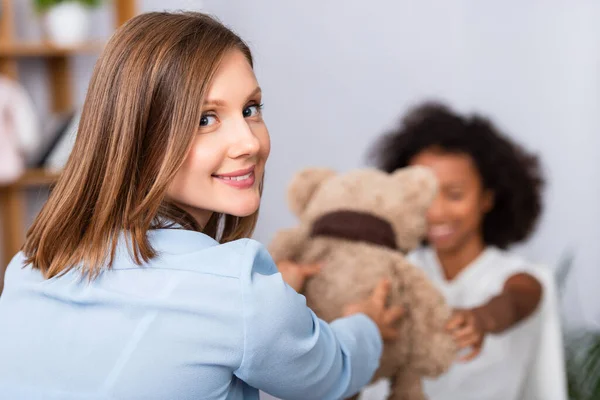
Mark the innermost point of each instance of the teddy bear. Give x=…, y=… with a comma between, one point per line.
x=360, y=225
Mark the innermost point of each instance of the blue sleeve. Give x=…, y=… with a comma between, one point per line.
x=288, y=351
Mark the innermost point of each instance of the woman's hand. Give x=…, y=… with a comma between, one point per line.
x=386, y=318
x=467, y=329
x=296, y=275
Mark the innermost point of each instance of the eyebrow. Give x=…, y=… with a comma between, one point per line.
x=221, y=103
x=455, y=184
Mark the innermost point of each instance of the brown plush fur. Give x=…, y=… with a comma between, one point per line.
x=353, y=268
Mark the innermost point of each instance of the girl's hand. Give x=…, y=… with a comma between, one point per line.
x=386, y=318
x=468, y=331
x=296, y=275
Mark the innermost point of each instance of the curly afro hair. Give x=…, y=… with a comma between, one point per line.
x=512, y=174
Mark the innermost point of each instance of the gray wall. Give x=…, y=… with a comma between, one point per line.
x=337, y=73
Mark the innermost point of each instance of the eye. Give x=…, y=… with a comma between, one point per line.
x=208, y=120
x=455, y=195
x=252, y=111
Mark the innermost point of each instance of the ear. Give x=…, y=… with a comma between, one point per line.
x=419, y=185
x=303, y=186
x=488, y=201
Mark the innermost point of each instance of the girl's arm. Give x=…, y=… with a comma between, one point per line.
x=519, y=298
x=289, y=352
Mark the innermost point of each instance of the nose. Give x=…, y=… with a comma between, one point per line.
x=435, y=213
x=244, y=141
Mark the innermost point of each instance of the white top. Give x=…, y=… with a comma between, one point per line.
x=525, y=362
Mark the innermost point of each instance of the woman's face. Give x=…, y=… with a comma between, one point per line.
x=224, y=169
x=456, y=215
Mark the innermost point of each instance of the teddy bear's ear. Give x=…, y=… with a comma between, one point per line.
x=419, y=185
x=303, y=186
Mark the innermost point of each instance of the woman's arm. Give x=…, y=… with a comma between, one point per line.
x=292, y=354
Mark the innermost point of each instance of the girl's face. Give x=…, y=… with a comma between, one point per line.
x=456, y=215
x=225, y=166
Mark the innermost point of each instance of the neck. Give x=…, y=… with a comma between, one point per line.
x=455, y=260
x=200, y=216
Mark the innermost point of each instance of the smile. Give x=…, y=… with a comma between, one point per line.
x=236, y=178
x=242, y=179
x=440, y=232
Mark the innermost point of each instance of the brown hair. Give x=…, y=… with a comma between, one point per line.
x=143, y=103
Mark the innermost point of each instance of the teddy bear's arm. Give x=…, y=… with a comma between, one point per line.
x=406, y=385
x=432, y=348
x=287, y=244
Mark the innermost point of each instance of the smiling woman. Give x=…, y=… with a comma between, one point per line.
x=225, y=165
x=126, y=287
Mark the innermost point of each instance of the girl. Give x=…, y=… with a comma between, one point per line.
x=135, y=280
x=489, y=199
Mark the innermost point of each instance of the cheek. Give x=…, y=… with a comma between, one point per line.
x=468, y=212
x=262, y=134
x=463, y=212
x=200, y=162
x=204, y=157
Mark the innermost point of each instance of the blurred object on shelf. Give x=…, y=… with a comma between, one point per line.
x=19, y=130
x=66, y=22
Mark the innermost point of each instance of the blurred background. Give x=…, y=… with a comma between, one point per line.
x=337, y=74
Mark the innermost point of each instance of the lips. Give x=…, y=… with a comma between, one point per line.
x=241, y=179
x=236, y=178
x=440, y=232
x=239, y=172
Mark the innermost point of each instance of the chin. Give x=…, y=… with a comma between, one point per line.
x=244, y=209
x=443, y=246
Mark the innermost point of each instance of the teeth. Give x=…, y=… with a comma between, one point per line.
x=237, y=178
x=440, y=230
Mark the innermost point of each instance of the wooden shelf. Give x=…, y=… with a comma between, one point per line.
x=12, y=212
x=58, y=66
x=45, y=49
x=34, y=177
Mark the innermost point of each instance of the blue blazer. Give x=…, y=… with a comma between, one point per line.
x=202, y=320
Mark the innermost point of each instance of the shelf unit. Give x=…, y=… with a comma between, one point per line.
x=57, y=60
x=43, y=49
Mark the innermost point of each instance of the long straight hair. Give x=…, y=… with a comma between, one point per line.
x=137, y=124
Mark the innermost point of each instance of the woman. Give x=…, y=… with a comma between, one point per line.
x=137, y=279
x=489, y=199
